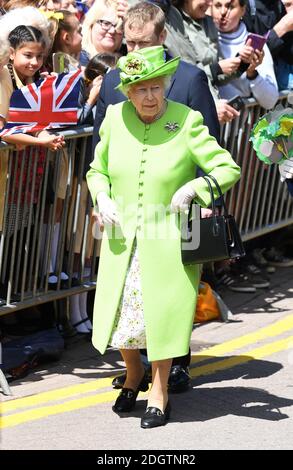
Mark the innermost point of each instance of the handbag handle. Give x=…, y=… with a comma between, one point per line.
x=219, y=191
x=215, y=223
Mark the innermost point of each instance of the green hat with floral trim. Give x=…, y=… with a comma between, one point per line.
x=145, y=64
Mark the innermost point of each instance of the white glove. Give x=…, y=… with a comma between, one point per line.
x=286, y=169
x=182, y=198
x=107, y=209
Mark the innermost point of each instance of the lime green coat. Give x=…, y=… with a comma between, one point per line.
x=141, y=166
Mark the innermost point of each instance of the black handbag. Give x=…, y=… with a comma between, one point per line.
x=213, y=239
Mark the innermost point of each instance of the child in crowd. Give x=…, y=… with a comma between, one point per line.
x=94, y=73
x=26, y=58
x=64, y=56
x=66, y=46
x=28, y=49
x=98, y=66
x=67, y=40
x=68, y=37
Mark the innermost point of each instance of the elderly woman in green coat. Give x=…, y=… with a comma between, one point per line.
x=142, y=178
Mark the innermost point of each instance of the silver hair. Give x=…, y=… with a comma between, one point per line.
x=166, y=78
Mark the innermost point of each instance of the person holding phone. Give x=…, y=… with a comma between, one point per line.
x=191, y=34
x=274, y=17
x=259, y=79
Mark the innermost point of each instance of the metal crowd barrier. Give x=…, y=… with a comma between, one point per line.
x=34, y=197
x=41, y=189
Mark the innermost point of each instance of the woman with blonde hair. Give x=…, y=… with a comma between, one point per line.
x=102, y=28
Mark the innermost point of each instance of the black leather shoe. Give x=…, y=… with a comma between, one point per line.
x=127, y=397
x=179, y=379
x=154, y=417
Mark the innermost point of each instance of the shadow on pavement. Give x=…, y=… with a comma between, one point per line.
x=204, y=404
x=201, y=404
x=209, y=403
x=251, y=369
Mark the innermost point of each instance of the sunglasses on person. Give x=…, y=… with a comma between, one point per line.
x=107, y=25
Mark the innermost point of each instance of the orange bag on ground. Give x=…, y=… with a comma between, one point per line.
x=207, y=306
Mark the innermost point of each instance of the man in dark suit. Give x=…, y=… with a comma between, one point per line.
x=144, y=27
x=189, y=84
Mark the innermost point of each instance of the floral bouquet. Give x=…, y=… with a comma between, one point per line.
x=272, y=136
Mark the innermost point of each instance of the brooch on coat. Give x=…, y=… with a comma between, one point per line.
x=171, y=126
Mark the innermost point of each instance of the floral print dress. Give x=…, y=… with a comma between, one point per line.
x=129, y=326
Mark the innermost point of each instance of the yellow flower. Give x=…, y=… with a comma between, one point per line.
x=52, y=14
x=286, y=126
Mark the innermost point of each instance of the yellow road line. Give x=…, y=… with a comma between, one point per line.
x=44, y=412
x=275, y=329
x=56, y=394
x=85, y=402
x=252, y=355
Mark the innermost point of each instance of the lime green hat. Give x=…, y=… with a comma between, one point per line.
x=145, y=64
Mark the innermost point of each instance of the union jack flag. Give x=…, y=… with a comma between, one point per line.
x=48, y=103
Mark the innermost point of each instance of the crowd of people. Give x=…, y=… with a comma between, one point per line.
x=224, y=50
